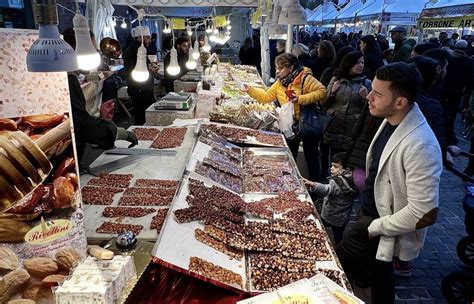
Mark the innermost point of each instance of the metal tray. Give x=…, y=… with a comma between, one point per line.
x=274, y=152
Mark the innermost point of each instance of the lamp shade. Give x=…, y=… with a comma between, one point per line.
x=277, y=32
x=140, y=72
x=49, y=53
x=173, y=69
x=87, y=56
x=293, y=13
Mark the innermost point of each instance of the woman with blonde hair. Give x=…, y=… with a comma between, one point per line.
x=295, y=84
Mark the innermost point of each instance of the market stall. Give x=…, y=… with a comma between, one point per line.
x=448, y=16
x=223, y=203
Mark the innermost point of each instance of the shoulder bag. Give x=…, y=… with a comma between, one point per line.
x=313, y=121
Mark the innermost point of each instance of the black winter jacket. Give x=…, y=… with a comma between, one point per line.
x=345, y=106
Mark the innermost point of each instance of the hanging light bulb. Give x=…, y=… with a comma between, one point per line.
x=124, y=24
x=173, y=69
x=206, y=47
x=229, y=27
x=195, y=53
x=190, y=32
x=140, y=72
x=113, y=23
x=191, y=64
x=228, y=21
x=87, y=56
x=167, y=29
x=208, y=28
x=215, y=31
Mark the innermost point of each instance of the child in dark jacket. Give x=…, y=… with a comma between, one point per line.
x=339, y=196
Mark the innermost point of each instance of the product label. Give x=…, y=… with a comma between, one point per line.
x=46, y=232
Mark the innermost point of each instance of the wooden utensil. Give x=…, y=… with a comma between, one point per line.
x=24, y=164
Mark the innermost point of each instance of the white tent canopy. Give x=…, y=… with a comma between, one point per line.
x=351, y=10
x=378, y=7
x=315, y=15
x=187, y=3
x=329, y=16
x=447, y=3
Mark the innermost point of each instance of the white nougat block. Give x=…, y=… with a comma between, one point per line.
x=92, y=293
x=96, y=281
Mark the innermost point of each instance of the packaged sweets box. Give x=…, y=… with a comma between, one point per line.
x=41, y=219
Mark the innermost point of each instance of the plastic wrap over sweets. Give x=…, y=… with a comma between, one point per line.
x=163, y=285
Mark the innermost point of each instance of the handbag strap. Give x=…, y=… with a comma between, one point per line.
x=310, y=105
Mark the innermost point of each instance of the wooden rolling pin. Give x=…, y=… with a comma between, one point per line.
x=24, y=164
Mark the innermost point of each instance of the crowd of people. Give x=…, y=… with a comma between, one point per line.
x=393, y=113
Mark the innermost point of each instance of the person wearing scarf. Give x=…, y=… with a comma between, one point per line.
x=347, y=94
x=295, y=81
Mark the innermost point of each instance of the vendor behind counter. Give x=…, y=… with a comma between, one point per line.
x=182, y=47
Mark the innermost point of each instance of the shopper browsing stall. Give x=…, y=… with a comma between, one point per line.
x=346, y=97
x=403, y=46
x=297, y=82
x=339, y=194
x=401, y=193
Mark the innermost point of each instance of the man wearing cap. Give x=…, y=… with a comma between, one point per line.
x=141, y=93
x=403, y=46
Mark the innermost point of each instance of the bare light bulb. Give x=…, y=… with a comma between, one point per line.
x=167, y=29
x=191, y=64
x=123, y=25
x=173, y=69
x=190, y=32
x=229, y=27
x=206, y=47
x=87, y=56
x=208, y=29
x=195, y=53
x=140, y=72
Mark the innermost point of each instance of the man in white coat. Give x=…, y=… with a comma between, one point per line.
x=400, y=197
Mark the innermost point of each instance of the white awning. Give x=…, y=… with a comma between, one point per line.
x=187, y=3
x=350, y=11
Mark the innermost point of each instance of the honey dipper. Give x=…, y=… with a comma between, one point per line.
x=24, y=164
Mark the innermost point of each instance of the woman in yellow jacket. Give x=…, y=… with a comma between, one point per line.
x=305, y=90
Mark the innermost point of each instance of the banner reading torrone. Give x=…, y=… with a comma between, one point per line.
x=459, y=16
